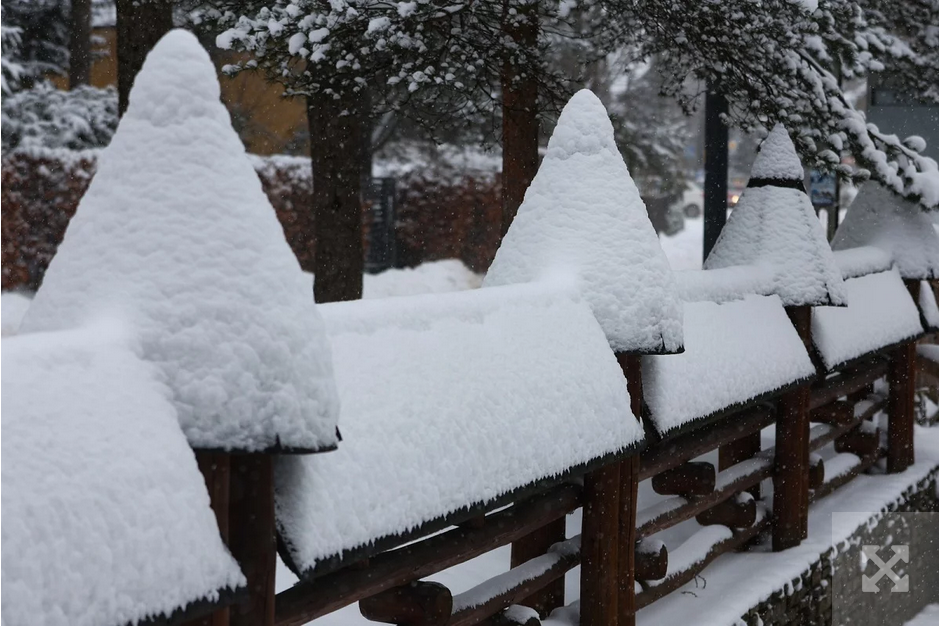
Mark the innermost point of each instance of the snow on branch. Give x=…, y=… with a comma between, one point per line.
x=775, y=62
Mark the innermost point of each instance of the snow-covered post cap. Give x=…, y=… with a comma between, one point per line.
x=582, y=216
x=176, y=237
x=895, y=225
x=775, y=225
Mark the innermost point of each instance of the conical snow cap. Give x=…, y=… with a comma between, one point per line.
x=897, y=226
x=176, y=236
x=582, y=216
x=775, y=225
x=777, y=161
x=583, y=128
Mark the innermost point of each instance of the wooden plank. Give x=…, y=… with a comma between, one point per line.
x=416, y=603
x=631, y=366
x=859, y=442
x=669, y=453
x=902, y=382
x=537, y=543
x=599, y=573
x=512, y=616
x=739, y=450
x=729, y=482
x=736, y=512
x=740, y=537
x=845, y=384
x=927, y=366
x=831, y=433
x=252, y=539
x=651, y=560
x=837, y=414
x=836, y=482
x=476, y=606
x=350, y=557
x=308, y=600
x=791, y=471
x=816, y=472
x=688, y=479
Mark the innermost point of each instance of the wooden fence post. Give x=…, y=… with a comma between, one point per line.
x=216, y=470
x=791, y=471
x=901, y=379
x=252, y=535
x=599, y=547
x=629, y=498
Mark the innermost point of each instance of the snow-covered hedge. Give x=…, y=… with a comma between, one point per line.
x=48, y=117
x=444, y=211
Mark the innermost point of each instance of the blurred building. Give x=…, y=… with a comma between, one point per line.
x=267, y=122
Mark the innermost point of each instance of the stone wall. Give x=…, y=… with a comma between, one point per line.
x=829, y=592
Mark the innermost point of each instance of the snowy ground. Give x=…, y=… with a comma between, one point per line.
x=929, y=616
x=685, y=249
x=13, y=307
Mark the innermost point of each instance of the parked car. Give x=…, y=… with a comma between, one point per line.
x=691, y=202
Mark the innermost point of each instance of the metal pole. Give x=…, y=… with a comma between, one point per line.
x=715, y=169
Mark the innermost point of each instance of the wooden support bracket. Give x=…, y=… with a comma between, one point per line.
x=416, y=603
x=737, y=512
x=688, y=479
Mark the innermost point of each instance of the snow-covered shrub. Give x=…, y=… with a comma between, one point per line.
x=40, y=191
x=46, y=117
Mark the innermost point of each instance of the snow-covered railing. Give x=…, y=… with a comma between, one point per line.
x=836, y=380
x=470, y=421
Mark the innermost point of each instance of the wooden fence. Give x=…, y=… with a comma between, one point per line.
x=622, y=570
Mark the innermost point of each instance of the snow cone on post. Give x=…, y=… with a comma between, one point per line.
x=774, y=225
x=176, y=238
x=582, y=217
x=900, y=228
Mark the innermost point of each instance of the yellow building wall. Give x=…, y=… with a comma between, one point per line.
x=267, y=122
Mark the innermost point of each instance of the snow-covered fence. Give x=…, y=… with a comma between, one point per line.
x=837, y=381
x=470, y=421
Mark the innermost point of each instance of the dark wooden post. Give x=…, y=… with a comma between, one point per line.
x=901, y=378
x=216, y=469
x=252, y=535
x=629, y=498
x=791, y=472
x=599, y=547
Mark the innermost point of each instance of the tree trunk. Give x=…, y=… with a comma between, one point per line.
x=519, y=113
x=79, y=45
x=336, y=136
x=715, y=169
x=140, y=25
